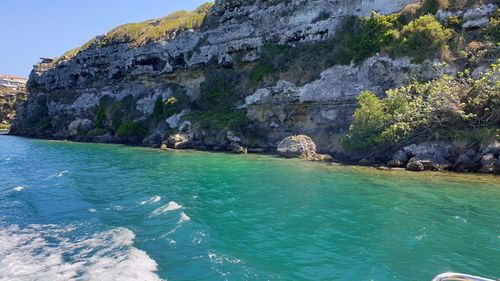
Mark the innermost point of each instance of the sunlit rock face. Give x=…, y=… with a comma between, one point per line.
x=67, y=90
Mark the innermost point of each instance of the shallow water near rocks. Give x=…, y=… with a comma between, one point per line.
x=71, y=211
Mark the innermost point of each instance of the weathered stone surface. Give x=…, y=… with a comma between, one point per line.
x=472, y=18
x=431, y=155
x=80, y=125
x=488, y=163
x=478, y=17
x=153, y=140
x=236, y=148
x=465, y=163
x=300, y=146
x=493, y=147
x=180, y=141
x=399, y=159
x=415, y=165
x=232, y=138
x=432, y=162
x=395, y=163
x=174, y=120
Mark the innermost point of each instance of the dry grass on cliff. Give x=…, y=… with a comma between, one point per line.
x=138, y=34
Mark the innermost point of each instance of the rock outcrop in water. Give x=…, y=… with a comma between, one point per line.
x=208, y=87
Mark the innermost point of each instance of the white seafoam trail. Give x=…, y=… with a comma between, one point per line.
x=152, y=200
x=171, y=206
x=46, y=253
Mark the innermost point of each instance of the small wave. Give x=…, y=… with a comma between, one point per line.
x=18, y=188
x=171, y=206
x=62, y=174
x=183, y=218
x=154, y=199
x=118, y=207
x=92, y=210
x=460, y=218
x=46, y=252
x=7, y=159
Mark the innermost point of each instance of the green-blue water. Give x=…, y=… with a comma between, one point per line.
x=73, y=211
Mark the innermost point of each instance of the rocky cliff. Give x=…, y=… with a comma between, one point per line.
x=12, y=94
x=213, y=85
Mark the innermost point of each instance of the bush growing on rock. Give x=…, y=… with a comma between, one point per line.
x=437, y=110
x=356, y=39
x=131, y=129
x=423, y=37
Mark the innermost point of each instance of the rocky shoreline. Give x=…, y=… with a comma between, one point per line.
x=265, y=77
x=428, y=156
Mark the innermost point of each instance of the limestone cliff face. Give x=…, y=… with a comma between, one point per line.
x=65, y=95
x=12, y=93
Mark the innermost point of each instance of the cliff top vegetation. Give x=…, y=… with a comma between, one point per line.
x=138, y=34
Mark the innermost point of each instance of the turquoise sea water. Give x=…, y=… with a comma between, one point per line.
x=72, y=211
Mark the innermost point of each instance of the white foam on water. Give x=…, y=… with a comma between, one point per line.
x=221, y=258
x=154, y=199
x=18, y=188
x=92, y=210
x=118, y=207
x=171, y=206
x=184, y=218
x=460, y=219
x=44, y=252
x=62, y=174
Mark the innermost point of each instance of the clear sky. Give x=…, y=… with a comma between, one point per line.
x=31, y=29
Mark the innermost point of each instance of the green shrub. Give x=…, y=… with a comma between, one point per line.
x=370, y=120
x=440, y=109
x=96, y=132
x=260, y=71
x=222, y=119
x=455, y=22
x=492, y=30
x=357, y=39
x=364, y=37
x=100, y=118
x=432, y=6
x=423, y=37
x=158, y=108
x=131, y=129
x=219, y=91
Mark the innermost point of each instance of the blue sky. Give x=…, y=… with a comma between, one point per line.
x=31, y=29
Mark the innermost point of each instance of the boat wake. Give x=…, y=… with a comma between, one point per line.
x=48, y=252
